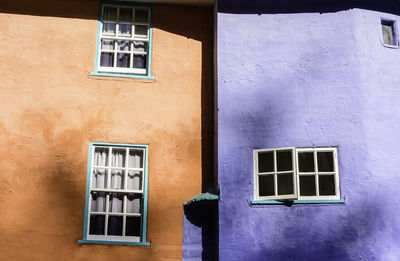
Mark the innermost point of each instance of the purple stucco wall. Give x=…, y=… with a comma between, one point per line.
x=307, y=78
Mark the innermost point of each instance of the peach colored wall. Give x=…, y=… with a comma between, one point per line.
x=50, y=109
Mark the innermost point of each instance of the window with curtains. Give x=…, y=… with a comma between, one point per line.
x=296, y=174
x=124, y=39
x=116, y=200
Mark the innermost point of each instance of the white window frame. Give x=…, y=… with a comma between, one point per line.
x=297, y=174
x=124, y=192
x=131, y=39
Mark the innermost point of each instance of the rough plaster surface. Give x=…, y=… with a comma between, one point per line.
x=51, y=109
x=306, y=79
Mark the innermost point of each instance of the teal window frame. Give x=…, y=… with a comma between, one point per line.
x=143, y=236
x=150, y=42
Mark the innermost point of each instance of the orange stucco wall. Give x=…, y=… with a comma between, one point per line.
x=50, y=109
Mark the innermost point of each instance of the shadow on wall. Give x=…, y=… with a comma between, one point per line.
x=304, y=6
x=188, y=21
x=202, y=215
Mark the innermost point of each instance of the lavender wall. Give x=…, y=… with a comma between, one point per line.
x=309, y=76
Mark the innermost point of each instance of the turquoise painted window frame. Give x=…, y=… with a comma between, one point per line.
x=143, y=237
x=149, y=52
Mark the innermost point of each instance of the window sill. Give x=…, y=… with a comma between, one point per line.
x=276, y=202
x=84, y=241
x=132, y=76
x=391, y=46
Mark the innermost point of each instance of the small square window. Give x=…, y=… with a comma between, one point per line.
x=124, y=40
x=389, y=33
x=116, y=198
x=290, y=173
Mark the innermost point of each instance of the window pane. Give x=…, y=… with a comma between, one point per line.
x=123, y=60
x=125, y=30
x=117, y=179
x=133, y=204
x=107, y=45
x=266, y=185
x=100, y=157
x=326, y=185
x=306, y=162
x=118, y=157
x=107, y=59
x=98, y=203
x=141, y=30
x=125, y=14
x=110, y=13
x=139, y=61
x=325, y=161
x=134, y=180
x=285, y=184
x=266, y=161
x=132, y=226
x=141, y=15
x=116, y=203
x=135, y=159
x=307, y=186
x=387, y=33
x=124, y=45
x=284, y=160
x=99, y=178
x=109, y=28
x=96, y=226
x=140, y=46
x=115, y=225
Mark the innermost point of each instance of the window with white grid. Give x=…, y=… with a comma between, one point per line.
x=296, y=174
x=124, y=39
x=116, y=193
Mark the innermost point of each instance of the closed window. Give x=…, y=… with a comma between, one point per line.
x=116, y=200
x=389, y=32
x=124, y=39
x=296, y=173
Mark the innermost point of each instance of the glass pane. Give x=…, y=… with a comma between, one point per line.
x=325, y=161
x=117, y=179
x=141, y=15
x=118, y=157
x=285, y=184
x=100, y=157
x=96, y=226
x=110, y=13
x=99, y=178
x=123, y=60
x=125, y=14
x=306, y=162
x=134, y=180
x=307, y=186
x=266, y=185
x=107, y=45
x=125, y=30
x=140, y=46
x=266, y=161
x=135, y=159
x=109, y=28
x=284, y=160
x=387, y=33
x=326, y=185
x=132, y=226
x=115, y=225
x=133, y=204
x=141, y=30
x=124, y=46
x=139, y=61
x=116, y=203
x=98, y=203
x=107, y=59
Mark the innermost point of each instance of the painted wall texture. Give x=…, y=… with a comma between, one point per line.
x=309, y=75
x=51, y=109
